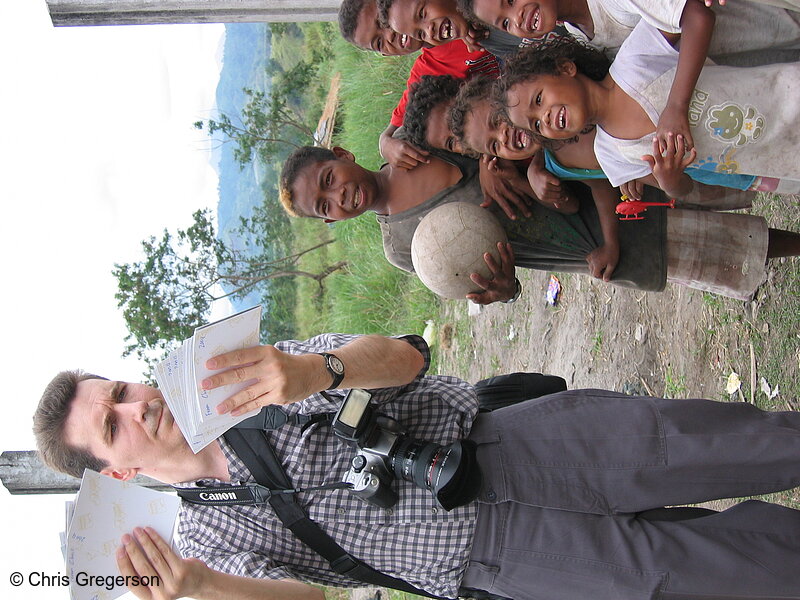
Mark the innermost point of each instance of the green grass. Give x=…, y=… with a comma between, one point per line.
x=370, y=296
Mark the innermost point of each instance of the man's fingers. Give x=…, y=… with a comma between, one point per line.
x=173, y=560
x=244, y=356
x=154, y=555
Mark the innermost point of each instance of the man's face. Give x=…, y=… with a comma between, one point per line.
x=369, y=35
x=487, y=133
x=433, y=21
x=128, y=425
x=438, y=134
x=335, y=189
x=523, y=18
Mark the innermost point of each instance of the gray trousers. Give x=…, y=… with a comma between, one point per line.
x=571, y=480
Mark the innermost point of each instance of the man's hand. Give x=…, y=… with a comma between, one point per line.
x=503, y=285
x=279, y=378
x=177, y=577
x=603, y=260
x=668, y=163
x=402, y=154
x=502, y=183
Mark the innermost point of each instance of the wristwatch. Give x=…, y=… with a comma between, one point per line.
x=335, y=367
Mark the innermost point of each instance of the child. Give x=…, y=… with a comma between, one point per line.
x=563, y=88
x=359, y=25
x=478, y=123
x=326, y=184
x=437, y=22
x=743, y=34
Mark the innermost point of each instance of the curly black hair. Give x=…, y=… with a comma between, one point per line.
x=383, y=11
x=349, y=12
x=467, y=9
x=547, y=58
x=423, y=96
x=300, y=158
x=478, y=88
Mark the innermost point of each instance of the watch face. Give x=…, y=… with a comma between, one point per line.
x=335, y=364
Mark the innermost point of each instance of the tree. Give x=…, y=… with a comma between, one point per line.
x=268, y=124
x=167, y=294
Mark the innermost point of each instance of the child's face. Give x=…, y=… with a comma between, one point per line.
x=554, y=106
x=433, y=21
x=370, y=35
x=523, y=18
x=438, y=134
x=487, y=133
x=335, y=189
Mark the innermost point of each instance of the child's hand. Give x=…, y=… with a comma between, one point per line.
x=474, y=38
x=501, y=183
x=634, y=188
x=603, y=260
x=548, y=190
x=503, y=284
x=402, y=154
x=674, y=121
x=669, y=162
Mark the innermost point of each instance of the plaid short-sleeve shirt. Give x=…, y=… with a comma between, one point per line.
x=414, y=540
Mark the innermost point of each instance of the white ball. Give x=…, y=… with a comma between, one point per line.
x=449, y=245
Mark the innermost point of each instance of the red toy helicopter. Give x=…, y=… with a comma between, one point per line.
x=631, y=210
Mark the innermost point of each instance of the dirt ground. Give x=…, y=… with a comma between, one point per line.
x=678, y=343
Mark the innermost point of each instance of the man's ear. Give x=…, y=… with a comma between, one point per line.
x=121, y=474
x=342, y=153
x=567, y=67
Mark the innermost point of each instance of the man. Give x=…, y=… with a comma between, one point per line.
x=569, y=508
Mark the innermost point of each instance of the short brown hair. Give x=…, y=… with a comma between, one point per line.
x=49, y=421
x=305, y=155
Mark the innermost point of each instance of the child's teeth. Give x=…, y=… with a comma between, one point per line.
x=403, y=40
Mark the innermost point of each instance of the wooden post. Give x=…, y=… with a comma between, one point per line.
x=70, y=13
x=23, y=473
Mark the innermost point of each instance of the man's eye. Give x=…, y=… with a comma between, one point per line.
x=539, y=98
x=112, y=429
x=510, y=2
x=121, y=395
x=505, y=25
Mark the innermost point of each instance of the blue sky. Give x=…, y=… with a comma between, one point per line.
x=97, y=151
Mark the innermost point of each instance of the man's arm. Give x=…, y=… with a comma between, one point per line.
x=371, y=361
x=178, y=577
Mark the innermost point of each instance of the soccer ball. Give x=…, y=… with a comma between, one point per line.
x=449, y=245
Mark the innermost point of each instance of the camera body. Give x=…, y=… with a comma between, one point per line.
x=384, y=453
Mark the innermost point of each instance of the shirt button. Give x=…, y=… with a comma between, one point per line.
x=389, y=511
x=341, y=511
x=434, y=510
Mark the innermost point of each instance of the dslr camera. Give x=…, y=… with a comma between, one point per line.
x=384, y=453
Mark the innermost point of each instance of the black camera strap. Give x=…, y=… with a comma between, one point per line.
x=248, y=439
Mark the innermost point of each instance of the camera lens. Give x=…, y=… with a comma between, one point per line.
x=450, y=472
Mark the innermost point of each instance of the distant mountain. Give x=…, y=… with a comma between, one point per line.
x=246, y=51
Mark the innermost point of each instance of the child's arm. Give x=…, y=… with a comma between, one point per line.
x=502, y=287
x=668, y=165
x=603, y=259
x=547, y=187
x=400, y=153
x=501, y=183
x=697, y=25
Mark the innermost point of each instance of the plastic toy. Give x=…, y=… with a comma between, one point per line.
x=631, y=210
